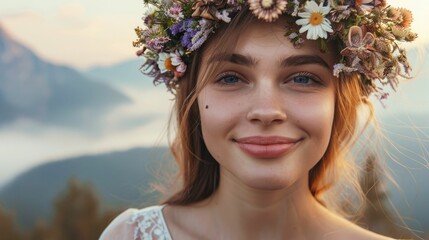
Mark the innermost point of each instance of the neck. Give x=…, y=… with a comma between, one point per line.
x=246, y=213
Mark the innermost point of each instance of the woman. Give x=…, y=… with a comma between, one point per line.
x=264, y=120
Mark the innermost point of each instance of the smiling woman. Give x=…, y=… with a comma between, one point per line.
x=264, y=121
x=253, y=127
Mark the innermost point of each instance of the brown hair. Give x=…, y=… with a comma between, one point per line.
x=199, y=171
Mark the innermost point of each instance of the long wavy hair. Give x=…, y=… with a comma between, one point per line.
x=199, y=171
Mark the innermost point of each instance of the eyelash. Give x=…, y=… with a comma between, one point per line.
x=315, y=80
x=311, y=77
x=220, y=79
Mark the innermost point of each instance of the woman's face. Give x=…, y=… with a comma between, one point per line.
x=266, y=115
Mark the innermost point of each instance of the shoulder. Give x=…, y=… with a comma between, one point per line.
x=337, y=227
x=348, y=230
x=137, y=224
x=363, y=234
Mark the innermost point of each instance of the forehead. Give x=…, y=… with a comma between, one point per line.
x=267, y=41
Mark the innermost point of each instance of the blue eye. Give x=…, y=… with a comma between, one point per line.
x=302, y=79
x=305, y=79
x=230, y=80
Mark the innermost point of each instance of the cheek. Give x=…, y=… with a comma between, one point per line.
x=218, y=116
x=315, y=118
x=218, y=111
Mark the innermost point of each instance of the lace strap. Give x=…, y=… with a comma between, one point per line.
x=150, y=224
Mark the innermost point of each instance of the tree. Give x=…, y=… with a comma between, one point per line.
x=76, y=214
x=41, y=231
x=8, y=227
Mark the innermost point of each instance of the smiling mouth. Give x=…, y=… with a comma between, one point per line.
x=266, y=147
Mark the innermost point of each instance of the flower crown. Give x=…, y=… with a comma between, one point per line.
x=368, y=32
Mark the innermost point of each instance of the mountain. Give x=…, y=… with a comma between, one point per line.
x=121, y=179
x=124, y=73
x=36, y=89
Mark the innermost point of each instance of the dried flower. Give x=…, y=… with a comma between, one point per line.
x=406, y=16
x=365, y=5
x=361, y=54
x=268, y=10
x=369, y=29
x=207, y=8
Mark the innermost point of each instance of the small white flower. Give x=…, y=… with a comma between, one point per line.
x=339, y=68
x=293, y=35
x=296, y=7
x=224, y=16
x=164, y=62
x=149, y=9
x=314, y=21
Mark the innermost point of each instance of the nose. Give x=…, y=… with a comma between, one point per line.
x=266, y=107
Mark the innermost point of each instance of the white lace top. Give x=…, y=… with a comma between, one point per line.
x=133, y=224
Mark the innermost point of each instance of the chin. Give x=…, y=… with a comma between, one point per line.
x=270, y=182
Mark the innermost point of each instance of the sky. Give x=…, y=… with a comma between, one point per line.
x=83, y=34
x=62, y=31
x=77, y=33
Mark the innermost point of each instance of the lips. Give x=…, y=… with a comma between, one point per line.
x=266, y=147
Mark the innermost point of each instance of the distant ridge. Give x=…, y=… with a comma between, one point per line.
x=33, y=88
x=121, y=179
x=123, y=73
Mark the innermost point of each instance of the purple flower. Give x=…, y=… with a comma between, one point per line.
x=177, y=28
x=175, y=11
x=184, y=25
x=187, y=38
x=187, y=24
x=157, y=44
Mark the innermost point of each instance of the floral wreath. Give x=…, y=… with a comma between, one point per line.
x=369, y=32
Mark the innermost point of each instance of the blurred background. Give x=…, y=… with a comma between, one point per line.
x=83, y=132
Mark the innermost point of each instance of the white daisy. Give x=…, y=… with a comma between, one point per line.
x=164, y=62
x=148, y=10
x=314, y=21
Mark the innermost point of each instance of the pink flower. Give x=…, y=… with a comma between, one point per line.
x=175, y=11
x=361, y=53
x=177, y=61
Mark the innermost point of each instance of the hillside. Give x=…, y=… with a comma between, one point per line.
x=36, y=89
x=121, y=179
x=124, y=73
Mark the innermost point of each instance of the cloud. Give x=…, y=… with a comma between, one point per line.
x=27, y=143
x=72, y=15
x=72, y=36
x=88, y=33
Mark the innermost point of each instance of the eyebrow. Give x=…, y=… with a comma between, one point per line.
x=233, y=58
x=294, y=60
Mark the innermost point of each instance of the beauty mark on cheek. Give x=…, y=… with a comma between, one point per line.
x=207, y=106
